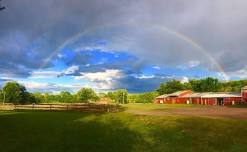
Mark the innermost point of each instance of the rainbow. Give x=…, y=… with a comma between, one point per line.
x=194, y=44
x=178, y=35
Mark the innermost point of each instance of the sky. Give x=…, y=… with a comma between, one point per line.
x=64, y=45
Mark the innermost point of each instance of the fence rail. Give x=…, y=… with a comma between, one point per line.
x=64, y=107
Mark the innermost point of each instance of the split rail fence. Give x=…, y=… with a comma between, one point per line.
x=87, y=107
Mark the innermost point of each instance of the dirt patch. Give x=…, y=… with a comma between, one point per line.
x=212, y=111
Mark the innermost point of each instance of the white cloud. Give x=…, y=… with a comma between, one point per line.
x=145, y=76
x=242, y=73
x=156, y=67
x=184, y=80
x=107, y=75
x=52, y=87
x=92, y=48
x=53, y=74
x=71, y=69
x=188, y=65
x=35, y=85
x=194, y=63
x=44, y=74
x=101, y=80
x=60, y=55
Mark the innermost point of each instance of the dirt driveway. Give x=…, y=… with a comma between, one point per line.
x=211, y=111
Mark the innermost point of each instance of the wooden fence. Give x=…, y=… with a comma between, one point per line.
x=64, y=107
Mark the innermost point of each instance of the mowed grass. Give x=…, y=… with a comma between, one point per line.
x=37, y=131
x=150, y=106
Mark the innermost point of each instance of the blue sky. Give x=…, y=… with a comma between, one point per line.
x=135, y=45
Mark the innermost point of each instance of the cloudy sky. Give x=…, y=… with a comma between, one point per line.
x=54, y=45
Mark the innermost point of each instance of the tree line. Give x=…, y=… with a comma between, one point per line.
x=13, y=92
x=202, y=85
x=16, y=93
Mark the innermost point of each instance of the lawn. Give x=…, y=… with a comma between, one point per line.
x=150, y=106
x=37, y=131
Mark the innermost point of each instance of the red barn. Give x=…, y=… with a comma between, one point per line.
x=174, y=97
x=161, y=99
x=194, y=98
x=210, y=98
x=244, y=93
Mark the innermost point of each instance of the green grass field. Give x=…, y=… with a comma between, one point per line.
x=37, y=131
x=150, y=106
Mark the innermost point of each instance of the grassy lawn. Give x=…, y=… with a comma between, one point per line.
x=36, y=131
x=150, y=106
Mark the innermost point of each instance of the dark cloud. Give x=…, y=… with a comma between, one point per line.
x=137, y=85
x=162, y=32
x=30, y=31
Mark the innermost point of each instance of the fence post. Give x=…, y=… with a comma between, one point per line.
x=50, y=107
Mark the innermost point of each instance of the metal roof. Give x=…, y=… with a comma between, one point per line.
x=194, y=95
x=205, y=95
x=178, y=93
x=213, y=95
x=163, y=96
x=222, y=95
x=245, y=87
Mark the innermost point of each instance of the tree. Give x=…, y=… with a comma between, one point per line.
x=39, y=98
x=65, y=97
x=210, y=84
x=170, y=87
x=30, y=98
x=147, y=97
x=205, y=85
x=1, y=95
x=86, y=95
x=196, y=85
x=15, y=93
x=121, y=96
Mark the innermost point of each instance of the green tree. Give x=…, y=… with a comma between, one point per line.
x=65, y=97
x=133, y=98
x=121, y=96
x=147, y=97
x=15, y=93
x=86, y=95
x=209, y=84
x=196, y=85
x=170, y=87
x=30, y=98
x=39, y=98
x=1, y=96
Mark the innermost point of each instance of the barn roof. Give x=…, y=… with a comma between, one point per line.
x=178, y=93
x=245, y=88
x=213, y=95
x=194, y=95
x=163, y=96
x=222, y=95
